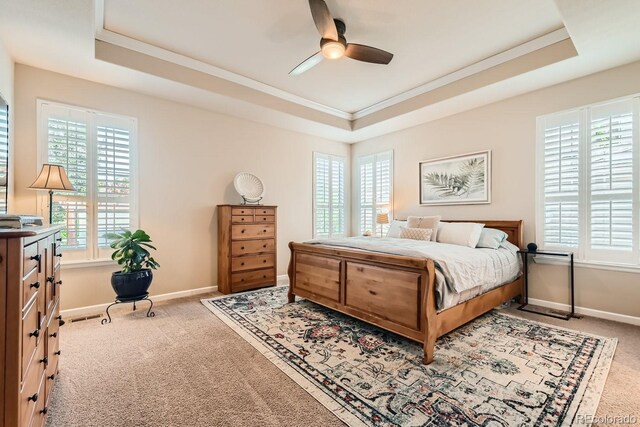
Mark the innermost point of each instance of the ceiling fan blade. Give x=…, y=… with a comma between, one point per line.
x=365, y=53
x=308, y=63
x=323, y=19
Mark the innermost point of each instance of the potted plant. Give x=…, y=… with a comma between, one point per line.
x=133, y=281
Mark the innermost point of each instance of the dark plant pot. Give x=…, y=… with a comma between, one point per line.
x=131, y=285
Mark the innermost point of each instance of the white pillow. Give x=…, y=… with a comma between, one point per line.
x=415, y=233
x=394, y=228
x=460, y=233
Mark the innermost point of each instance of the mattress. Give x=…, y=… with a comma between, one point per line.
x=461, y=272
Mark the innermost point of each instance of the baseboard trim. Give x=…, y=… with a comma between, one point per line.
x=283, y=277
x=624, y=318
x=94, y=309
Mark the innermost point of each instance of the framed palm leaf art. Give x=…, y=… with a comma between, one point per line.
x=456, y=180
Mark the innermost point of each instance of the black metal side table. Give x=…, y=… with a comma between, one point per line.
x=525, y=302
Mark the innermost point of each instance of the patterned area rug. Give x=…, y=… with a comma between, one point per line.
x=499, y=370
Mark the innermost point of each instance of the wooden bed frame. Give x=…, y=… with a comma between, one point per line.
x=396, y=293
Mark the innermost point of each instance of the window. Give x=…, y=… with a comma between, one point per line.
x=97, y=152
x=588, y=177
x=328, y=195
x=375, y=191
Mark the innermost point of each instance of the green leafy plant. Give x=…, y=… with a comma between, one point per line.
x=468, y=180
x=130, y=250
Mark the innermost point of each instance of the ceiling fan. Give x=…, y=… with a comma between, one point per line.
x=333, y=45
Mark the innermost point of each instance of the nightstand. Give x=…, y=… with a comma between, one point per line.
x=525, y=302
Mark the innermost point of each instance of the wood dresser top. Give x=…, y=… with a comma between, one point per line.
x=12, y=233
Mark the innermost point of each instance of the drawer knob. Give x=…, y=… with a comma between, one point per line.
x=44, y=410
x=60, y=321
x=35, y=285
x=242, y=280
x=264, y=246
x=59, y=239
x=242, y=248
x=58, y=353
x=33, y=397
x=51, y=279
x=59, y=282
x=36, y=257
x=59, y=255
x=242, y=263
x=264, y=260
x=51, y=377
x=242, y=231
x=241, y=219
x=264, y=231
x=35, y=333
x=44, y=360
x=264, y=276
x=54, y=335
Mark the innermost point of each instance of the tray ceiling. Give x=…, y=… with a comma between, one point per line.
x=263, y=40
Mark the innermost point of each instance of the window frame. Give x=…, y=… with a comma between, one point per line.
x=330, y=158
x=93, y=254
x=586, y=255
x=360, y=160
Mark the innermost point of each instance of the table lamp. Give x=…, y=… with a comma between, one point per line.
x=382, y=218
x=52, y=177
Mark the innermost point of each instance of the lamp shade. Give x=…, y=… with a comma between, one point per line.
x=52, y=177
x=382, y=218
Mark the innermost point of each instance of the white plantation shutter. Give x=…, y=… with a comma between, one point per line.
x=375, y=186
x=328, y=195
x=96, y=150
x=560, y=185
x=613, y=190
x=589, y=182
x=4, y=154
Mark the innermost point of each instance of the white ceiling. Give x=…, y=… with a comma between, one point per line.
x=264, y=40
x=260, y=41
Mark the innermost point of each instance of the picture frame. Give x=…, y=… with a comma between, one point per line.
x=463, y=179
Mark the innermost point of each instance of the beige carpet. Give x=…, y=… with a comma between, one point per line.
x=186, y=368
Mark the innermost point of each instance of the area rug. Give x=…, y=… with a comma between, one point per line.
x=498, y=370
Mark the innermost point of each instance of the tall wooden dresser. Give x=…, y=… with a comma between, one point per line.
x=30, y=316
x=246, y=247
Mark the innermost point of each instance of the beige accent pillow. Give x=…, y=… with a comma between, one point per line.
x=460, y=233
x=415, y=233
x=425, y=222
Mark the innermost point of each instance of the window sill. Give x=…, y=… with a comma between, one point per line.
x=597, y=265
x=92, y=263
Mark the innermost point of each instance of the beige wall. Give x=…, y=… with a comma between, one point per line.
x=187, y=160
x=6, y=90
x=508, y=128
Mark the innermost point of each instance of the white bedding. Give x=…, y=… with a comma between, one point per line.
x=461, y=272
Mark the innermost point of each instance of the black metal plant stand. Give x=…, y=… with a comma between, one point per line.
x=133, y=300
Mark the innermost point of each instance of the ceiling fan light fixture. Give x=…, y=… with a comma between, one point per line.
x=333, y=50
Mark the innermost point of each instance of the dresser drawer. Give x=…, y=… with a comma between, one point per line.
x=265, y=218
x=265, y=211
x=252, y=262
x=30, y=286
x=242, y=211
x=53, y=343
x=239, y=219
x=30, y=336
x=246, y=280
x=252, y=247
x=32, y=393
x=31, y=258
x=252, y=231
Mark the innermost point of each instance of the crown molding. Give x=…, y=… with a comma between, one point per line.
x=268, y=96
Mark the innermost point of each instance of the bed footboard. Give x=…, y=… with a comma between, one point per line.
x=393, y=292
